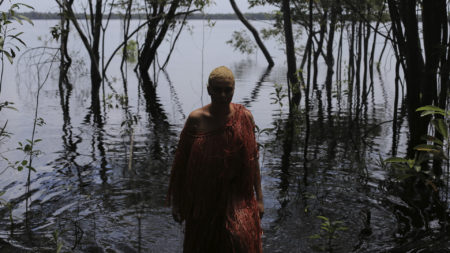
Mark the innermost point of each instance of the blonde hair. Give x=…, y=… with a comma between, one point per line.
x=221, y=74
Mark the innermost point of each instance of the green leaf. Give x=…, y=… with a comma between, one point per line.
x=20, y=168
x=323, y=218
x=315, y=236
x=432, y=108
x=325, y=228
x=25, y=18
x=59, y=247
x=26, y=5
x=17, y=19
x=425, y=113
x=2, y=193
x=24, y=162
x=427, y=148
x=19, y=40
x=31, y=168
x=396, y=160
x=432, y=139
x=418, y=168
x=411, y=163
x=27, y=148
x=441, y=127
x=10, y=58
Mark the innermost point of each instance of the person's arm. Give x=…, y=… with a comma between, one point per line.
x=258, y=190
x=176, y=197
x=257, y=179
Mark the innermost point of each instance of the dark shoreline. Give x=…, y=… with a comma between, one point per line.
x=200, y=16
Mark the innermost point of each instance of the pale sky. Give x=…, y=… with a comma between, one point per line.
x=221, y=6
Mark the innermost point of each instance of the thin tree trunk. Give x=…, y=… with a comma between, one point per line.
x=254, y=32
x=351, y=67
x=366, y=56
x=358, y=64
x=330, y=58
x=323, y=29
x=290, y=54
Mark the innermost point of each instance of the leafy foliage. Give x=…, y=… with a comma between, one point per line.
x=329, y=230
x=9, y=37
x=279, y=95
x=435, y=148
x=242, y=42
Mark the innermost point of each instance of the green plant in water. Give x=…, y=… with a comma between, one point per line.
x=329, y=230
x=434, y=148
x=278, y=95
x=58, y=242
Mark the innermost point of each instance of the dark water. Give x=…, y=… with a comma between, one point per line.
x=323, y=161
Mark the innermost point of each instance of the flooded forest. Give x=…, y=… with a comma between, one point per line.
x=350, y=99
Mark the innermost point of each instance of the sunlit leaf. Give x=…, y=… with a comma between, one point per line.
x=323, y=218
x=432, y=109
x=427, y=148
x=326, y=228
x=411, y=163
x=417, y=167
x=396, y=160
x=425, y=113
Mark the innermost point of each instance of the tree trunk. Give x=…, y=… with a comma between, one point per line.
x=254, y=32
x=323, y=30
x=154, y=37
x=330, y=58
x=96, y=77
x=290, y=54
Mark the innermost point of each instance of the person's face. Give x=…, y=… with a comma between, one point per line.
x=221, y=92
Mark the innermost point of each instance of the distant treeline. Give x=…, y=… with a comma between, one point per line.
x=231, y=16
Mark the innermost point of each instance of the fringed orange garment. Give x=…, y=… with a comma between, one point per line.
x=211, y=187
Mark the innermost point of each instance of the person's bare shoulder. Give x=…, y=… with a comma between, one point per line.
x=195, y=119
x=249, y=115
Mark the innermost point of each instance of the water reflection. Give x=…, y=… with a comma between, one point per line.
x=255, y=92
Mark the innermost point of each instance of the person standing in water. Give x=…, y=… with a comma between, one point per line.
x=215, y=182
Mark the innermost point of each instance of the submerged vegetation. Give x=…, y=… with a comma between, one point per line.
x=345, y=170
